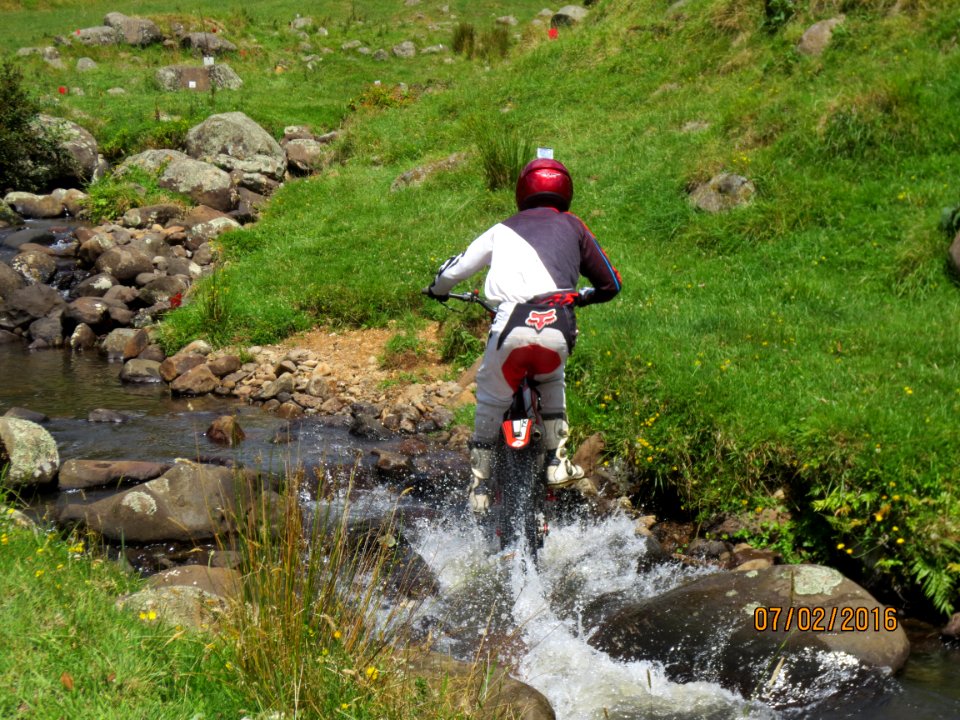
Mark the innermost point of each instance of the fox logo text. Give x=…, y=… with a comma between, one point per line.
x=540, y=319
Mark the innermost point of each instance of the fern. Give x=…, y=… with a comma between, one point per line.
x=937, y=585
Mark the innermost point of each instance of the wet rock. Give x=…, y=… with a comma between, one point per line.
x=162, y=289
x=196, y=381
x=26, y=414
x=705, y=630
x=30, y=451
x=289, y=410
x=103, y=415
x=94, y=286
x=34, y=267
x=29, y=303
x=225, y=430
x=115, y=341
x=179, y=363
x=140, y=372
x=189, y=502
x=136, y=345
x=47, y=332
x=28, y=235
x=392, y=463
x=10, y=280
x=90, y=311
x=364, y=423
x=34, y=206
x=82, y=337
x=124, y=263
x=79, y=474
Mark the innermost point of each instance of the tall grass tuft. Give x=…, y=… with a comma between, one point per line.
x=316, y=633
x=503, y=152
x=464, y=39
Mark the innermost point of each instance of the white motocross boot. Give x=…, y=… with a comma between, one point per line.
x=560, y=471
x=481, y=466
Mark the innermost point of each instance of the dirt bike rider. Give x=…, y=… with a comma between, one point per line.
x=536, y=258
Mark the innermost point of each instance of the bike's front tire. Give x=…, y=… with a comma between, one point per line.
x=521, y=498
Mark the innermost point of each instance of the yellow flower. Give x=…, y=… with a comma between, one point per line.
x=908, y=390
x=840, y=546
x=900, y=541
x=372, y=673
x=895, y=528
x=3, y=539
x=344, y=706
x=38, y=573
x=849, y=551
x=337, y=634
x=878, y=517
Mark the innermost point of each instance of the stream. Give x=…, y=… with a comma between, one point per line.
x=531, y=613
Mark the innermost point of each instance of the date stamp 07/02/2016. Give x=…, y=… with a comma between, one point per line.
x=821, y=619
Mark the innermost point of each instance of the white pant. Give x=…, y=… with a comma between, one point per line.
x=524, y=353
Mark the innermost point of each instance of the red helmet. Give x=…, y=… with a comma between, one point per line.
x=544, y=182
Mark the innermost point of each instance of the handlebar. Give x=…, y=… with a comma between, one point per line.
x=474, y=297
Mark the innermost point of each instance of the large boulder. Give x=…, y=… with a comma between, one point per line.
x=28, y=451
x=36, y=267
x=189, y=502
x=203, y=183
x=133, y=30
x=80, y=149
x=723, y=628
x=10, y=280
x=230, y=137
x=207, y=43
x=200, y=78
x=35, y=207
x=79, y=474
x=27, y=304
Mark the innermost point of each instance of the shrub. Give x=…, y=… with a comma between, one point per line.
x=26, y=156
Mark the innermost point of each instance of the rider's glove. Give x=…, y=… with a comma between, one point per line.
x=428, y=291
x=585, y=297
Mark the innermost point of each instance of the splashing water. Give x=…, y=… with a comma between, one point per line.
x=531, y=618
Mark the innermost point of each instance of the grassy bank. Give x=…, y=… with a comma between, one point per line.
x=68, y=652
x=796, y=355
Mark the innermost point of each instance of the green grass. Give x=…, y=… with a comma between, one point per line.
x=805, y=343
x=68, y=652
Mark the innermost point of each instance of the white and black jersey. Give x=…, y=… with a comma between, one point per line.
x=535, y=253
